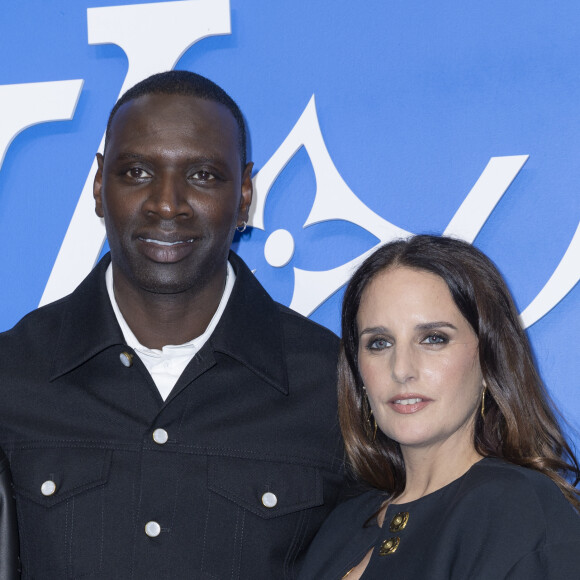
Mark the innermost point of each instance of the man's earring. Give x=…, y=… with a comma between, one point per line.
x=242, y=228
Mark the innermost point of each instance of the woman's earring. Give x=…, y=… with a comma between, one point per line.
x=242, y=228
x=483, y=400
x=370, y=423
x=374, y=428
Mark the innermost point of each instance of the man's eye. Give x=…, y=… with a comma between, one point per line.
x=434, y=339
x=137, y=173
x=203, y=176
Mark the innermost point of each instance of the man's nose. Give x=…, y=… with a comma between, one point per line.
x=168, y=197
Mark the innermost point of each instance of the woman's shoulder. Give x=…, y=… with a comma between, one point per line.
x=499, y=476
x=501, y=520
x=520, y=497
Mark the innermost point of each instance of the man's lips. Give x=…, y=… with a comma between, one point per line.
x=166, y=249
x=408, y=403
x=165, y=243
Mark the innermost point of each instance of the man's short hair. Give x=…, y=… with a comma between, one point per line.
x=182, y=82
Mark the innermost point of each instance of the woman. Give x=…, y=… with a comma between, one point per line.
x=444, y=415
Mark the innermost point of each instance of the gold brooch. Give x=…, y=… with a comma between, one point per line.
x=399, y=522
x=389, y=546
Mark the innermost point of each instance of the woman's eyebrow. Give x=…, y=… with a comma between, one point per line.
x=434, y=325
x=374, y=330
x=425, y=326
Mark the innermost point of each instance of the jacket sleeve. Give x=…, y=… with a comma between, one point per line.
x=9, y=546
x=553, y=562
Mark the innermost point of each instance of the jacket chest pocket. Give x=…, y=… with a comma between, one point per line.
x=60, y=503
x=258, y=515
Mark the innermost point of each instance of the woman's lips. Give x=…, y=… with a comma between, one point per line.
x=407, y=404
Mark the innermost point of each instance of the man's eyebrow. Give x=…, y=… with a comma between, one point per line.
x=195, y=159
x=128, y=156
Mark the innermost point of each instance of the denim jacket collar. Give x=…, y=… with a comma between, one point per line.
x=249, y=330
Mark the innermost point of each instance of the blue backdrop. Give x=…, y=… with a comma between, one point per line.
x=366, y=120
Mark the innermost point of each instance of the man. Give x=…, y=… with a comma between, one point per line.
x=168, y=419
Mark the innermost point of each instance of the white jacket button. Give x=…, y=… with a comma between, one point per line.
x=126, y=359
x=160, y=436
x=48, y=488
x=269, y=499
x=152, y=529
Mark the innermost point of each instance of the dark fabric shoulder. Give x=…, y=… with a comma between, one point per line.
x=63, y=334
x=298, y=318
x=300, y=326
x=46, y=320
x=34, y=337
x=47, y=316
x=520, y=516
x=510, y=484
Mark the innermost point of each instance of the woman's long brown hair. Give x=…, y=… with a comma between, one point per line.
x=520, y=424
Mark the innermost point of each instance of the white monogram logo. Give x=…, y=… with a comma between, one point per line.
x=335, y=201
x=148, y=52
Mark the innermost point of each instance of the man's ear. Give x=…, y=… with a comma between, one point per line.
x=247, y=193
x=98, y=187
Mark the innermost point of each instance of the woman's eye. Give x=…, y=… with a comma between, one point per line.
x=434, y=339
x=378, y=344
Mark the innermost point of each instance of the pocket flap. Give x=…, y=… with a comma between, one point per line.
x=266, y=488
x=49, y=476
